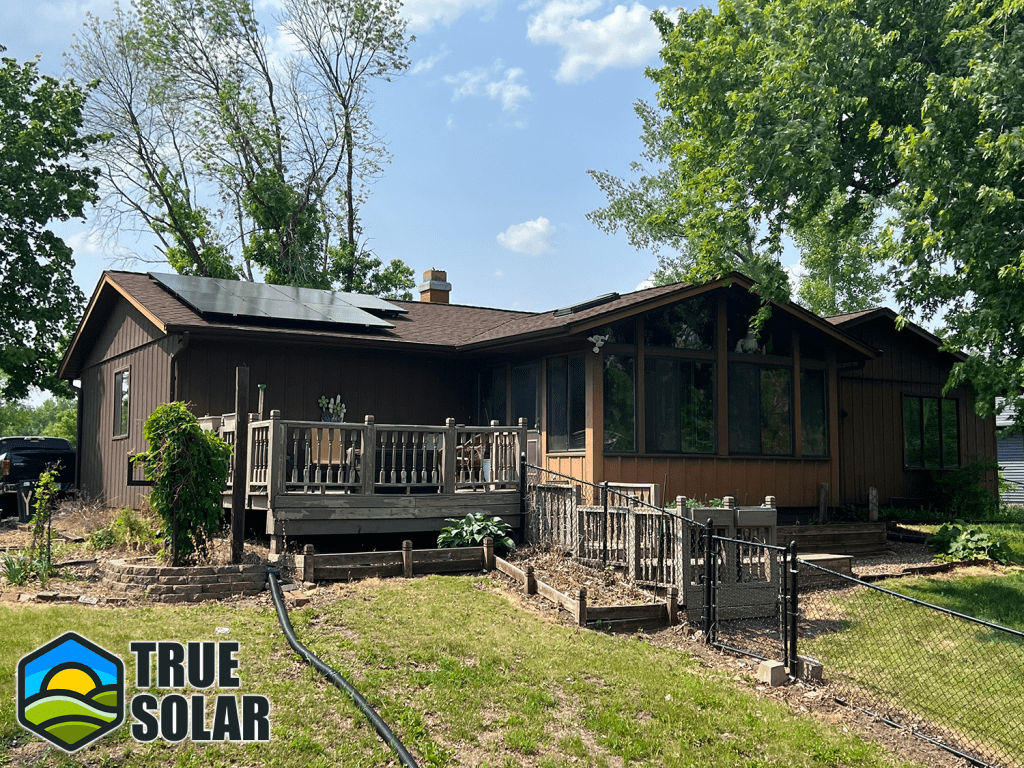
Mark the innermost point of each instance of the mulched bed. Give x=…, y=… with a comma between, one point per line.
x=566, y=574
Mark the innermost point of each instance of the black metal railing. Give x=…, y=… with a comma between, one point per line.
x=951, y=679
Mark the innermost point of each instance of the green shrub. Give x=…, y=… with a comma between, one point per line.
x=471, y=530
x=130, y=530
x=17, y=568
x=959, y=492
x=955, y=542
x=189, y=470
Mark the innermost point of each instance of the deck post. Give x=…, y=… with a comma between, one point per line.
x=276, y=449
x=407, y=559
x=822, y=501
x=369, y=456
x=451, y=441
x=531, y=581
x=873, y=504
x=240, y=464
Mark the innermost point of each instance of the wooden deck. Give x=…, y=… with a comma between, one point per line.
x=319, y=478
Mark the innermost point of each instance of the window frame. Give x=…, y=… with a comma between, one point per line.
x=942, y=466
x=122, y=403
x=548, y=416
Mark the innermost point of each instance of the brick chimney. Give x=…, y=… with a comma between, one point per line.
x=436, y=287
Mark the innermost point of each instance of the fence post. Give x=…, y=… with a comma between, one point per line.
x=672, y=603
x=407, y=559
x=488, y=553
x=604, y=523
x=709, y=576
x=308, y=563
x=632, y=545
x=794, y=606
x=523, y=490
x=581, y=607
x=531, y=581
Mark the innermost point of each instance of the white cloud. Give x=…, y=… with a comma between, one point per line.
x=492, y=83
x=424, y=65
x=626, y=37
x=423, y=13
x=647, y=282
x=530, y=237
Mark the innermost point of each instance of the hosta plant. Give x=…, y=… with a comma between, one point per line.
x=471, y=531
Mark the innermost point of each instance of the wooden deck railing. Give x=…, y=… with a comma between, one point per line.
x=315, y=457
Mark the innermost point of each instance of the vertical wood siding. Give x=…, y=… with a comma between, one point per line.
x=793, y=482
x=395, y=388
x=103, y=457
x=871, y=431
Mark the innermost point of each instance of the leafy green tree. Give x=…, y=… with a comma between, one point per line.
x=776, y=116
x=54, y=417
x=41, y=180
x=242, y=164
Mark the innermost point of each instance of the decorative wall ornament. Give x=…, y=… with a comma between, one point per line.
x=331, y=408
x=598, y=342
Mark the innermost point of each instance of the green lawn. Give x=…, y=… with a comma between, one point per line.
x=464, y=677
x=946, y=670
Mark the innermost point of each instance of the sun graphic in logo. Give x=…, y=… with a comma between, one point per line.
x=70, y=692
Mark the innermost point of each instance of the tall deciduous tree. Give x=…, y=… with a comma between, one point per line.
x=787, y=114
x=241, y=160
x=41, y=180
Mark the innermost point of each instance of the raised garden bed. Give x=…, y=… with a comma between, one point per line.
x=645, y=613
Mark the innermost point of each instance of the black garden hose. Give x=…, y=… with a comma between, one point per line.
x=335, y=677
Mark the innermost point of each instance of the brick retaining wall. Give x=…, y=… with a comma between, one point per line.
x=183, y=585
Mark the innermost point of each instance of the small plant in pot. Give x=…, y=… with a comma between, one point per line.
x=471, y=531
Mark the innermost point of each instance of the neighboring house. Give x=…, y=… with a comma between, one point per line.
x=1010, y=444
x=662, y=385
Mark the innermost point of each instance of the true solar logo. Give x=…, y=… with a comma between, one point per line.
x=71, y=692
x=175, y=717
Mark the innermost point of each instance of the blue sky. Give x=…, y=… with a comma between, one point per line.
x=506, y=107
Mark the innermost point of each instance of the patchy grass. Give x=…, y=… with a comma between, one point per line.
x=464, y=677
x=943, y=669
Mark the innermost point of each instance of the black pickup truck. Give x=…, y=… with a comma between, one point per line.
x=23, y=459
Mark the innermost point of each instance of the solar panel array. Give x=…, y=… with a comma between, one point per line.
x=239, y=298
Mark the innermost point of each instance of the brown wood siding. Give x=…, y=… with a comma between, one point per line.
x=793, y=482
x=125, y=329
x=395, y=389
x=871, y=416
x=103, y=456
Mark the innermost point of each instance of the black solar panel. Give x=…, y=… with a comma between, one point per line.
x=239, y=298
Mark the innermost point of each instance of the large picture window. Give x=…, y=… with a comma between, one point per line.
x=122, y=391
x=760, y=409
x=931, y=433
x=813, y=416
x=619, y=403
x=679, y=405
x=567, y=404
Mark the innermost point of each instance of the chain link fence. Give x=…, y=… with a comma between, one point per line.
x=949, y=678
x=752, y=611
